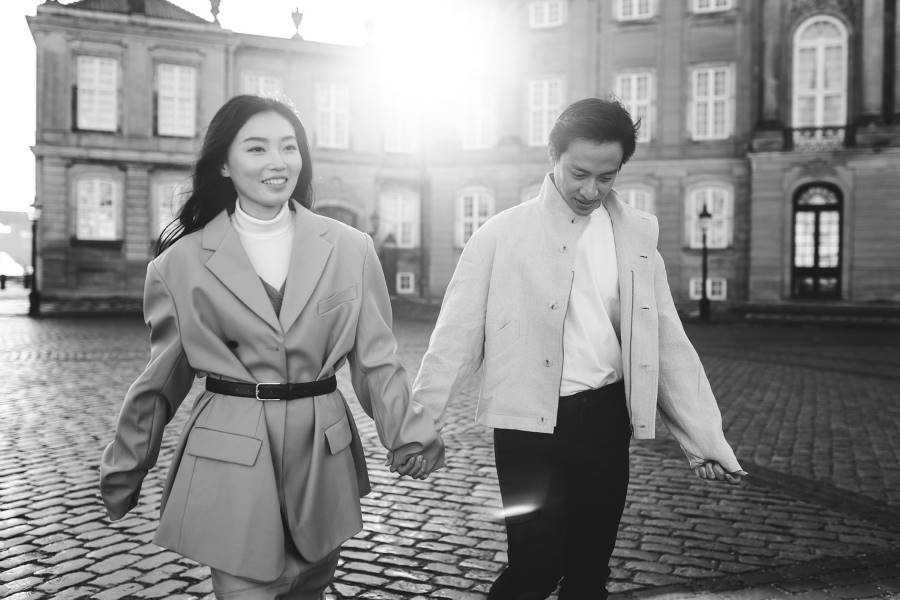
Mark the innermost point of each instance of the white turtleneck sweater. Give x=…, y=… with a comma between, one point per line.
x=267, y=243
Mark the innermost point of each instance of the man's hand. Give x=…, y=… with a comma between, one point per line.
x=418, y=465
x=712, y=470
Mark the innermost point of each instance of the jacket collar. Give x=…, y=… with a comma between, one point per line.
x=230, y=264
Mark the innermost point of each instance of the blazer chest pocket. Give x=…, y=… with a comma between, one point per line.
x=338, y=436
x=336, y=299
x=223, y=446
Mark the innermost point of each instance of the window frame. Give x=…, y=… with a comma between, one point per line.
x=546, y=111
x=116, y=211
x=820, y=65
x=79, y=89
x=635, y=16
x=728, y=98
x=545, y=22
x=333, y=120
x=181, y=185
x=391, y=220
x=692, y=207
x=645, y=133
x=479, y=194
x=402, y=289
x=477, y=125
x=174, y=129
x=695, y=7
x=260, y=89
x=695, y=285
x=625, y=190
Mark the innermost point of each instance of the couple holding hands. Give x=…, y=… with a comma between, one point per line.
x=562, y=302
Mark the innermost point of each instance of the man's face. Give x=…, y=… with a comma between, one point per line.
x=585, y=173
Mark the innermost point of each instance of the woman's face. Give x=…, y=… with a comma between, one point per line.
x=264, y=163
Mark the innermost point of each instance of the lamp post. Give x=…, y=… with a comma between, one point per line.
x=705, y=217
x=34, y=296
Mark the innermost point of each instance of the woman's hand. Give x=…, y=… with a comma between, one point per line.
x=714, y=471
x=418, y=465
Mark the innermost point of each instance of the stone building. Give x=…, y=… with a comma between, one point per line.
x=778, y=116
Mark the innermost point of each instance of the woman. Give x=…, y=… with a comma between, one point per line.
x=250, y=287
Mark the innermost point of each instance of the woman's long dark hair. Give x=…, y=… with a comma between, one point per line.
x=212, y=192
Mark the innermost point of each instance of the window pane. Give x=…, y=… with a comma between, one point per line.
x=176, y=100
x=829, y=238
x=804, y=239
x=97, y=97
x=97, y=210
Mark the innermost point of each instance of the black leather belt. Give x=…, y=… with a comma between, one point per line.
x=272, y=391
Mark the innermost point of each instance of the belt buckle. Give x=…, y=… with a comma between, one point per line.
x=265, y=383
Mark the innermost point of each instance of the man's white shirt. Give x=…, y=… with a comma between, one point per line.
x=592, y=353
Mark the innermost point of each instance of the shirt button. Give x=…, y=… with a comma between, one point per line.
x=547, y=362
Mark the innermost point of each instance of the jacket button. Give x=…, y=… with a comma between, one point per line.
x=563, y=248
x=554, y=306
x=547, y=362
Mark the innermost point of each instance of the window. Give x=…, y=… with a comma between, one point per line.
x=628, y=10
x=544, y=104
x=399, y=212
x=547, y=13
x=820, y=73
x=474, y=206
x=709, y=6
x=176, y=100
x=716, y=288
x=636, y=91
x=406, y=282
x=97, y=93
x=477, y=129
x=719, y=201
x=169, y=196
x=816, y=269
x=261, y=84
x=712, y=102
x=332, y=115
x=98, y=209
x=639, y=197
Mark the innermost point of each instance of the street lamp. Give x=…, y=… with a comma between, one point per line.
x=705, y=217
x=34, y=296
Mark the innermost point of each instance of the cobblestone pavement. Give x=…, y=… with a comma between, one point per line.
x=813, y=412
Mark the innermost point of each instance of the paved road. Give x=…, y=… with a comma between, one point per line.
x=813, y=412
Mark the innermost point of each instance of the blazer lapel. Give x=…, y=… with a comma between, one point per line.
x=634, y=252
x=230, y=264
x=309, y=254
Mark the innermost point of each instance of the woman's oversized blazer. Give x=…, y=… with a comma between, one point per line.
x=209, y=314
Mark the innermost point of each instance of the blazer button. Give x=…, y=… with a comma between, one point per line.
x=554, y=305
x=562, y=249
x=547, y=362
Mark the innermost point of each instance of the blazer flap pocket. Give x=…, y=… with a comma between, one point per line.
x=224, y=446
x=338, y=436
x=345, y=295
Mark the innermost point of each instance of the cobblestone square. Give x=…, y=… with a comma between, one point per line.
x=813, y=412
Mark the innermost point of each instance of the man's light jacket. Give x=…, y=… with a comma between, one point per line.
x=504, y=310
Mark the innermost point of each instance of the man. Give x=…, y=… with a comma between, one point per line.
x=563, y=302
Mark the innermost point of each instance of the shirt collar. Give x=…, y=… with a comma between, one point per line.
x=553, y=202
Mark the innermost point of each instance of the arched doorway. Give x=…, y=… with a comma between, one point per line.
x=816, y=256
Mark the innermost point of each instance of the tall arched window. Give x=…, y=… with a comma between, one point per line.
x=820, y=73
x=638, y=196
x=816, y=268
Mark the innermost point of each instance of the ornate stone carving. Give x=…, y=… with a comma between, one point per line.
x=801, y=9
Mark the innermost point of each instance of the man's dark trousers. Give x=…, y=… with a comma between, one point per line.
x=563, y=495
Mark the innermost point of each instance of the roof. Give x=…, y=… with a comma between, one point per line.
x=160, y=9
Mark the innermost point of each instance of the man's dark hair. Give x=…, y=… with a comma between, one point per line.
x=595, y=120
